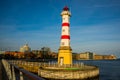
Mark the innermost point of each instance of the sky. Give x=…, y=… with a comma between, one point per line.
x=94, y=25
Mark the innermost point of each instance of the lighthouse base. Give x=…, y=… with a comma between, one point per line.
x=65, y=56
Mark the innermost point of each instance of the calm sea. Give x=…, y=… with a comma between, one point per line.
x=109, y=69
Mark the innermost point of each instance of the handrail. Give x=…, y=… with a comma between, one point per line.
x=28, y=74
x=22, y=72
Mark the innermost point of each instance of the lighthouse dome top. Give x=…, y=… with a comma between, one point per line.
x=65, y=11
x=66, y=8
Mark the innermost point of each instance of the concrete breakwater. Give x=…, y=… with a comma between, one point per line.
x=88, y=72
x=53, y=71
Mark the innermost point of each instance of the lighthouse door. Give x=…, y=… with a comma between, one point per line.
x=61, y=60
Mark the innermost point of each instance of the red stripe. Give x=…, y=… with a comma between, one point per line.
x=65, y=24
x=65, y=37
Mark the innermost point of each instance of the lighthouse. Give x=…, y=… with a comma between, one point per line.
x=65, y=51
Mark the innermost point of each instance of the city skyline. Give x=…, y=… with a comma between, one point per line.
x=94, y=25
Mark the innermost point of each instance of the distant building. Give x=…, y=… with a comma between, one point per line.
x=109, y=57
x=25, y=48
x=45, y=53
x=104, y=57
x=74, y=56
x=15, y=54
x=45, y=50
x=85, y=56
x=94, y=56
x=38, y=53
x=98, y=57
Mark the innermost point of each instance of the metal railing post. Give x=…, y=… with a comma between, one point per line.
x=13, y=73
x=21, y=76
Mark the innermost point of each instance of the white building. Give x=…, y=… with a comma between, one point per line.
x=25, y=48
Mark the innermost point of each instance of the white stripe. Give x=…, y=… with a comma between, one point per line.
x=65, y=31
x=65, y=18
x=65, y=42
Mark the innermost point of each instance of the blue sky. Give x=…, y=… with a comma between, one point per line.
x=94, y=24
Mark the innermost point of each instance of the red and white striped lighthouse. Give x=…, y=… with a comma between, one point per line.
x=65, y=36
x=65, y=51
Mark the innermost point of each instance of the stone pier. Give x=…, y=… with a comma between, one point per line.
x=72, y=73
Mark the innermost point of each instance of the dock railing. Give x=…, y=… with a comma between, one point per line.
x=15, y=73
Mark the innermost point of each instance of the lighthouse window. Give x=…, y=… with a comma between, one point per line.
x=63, y=30
x=62, y=43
